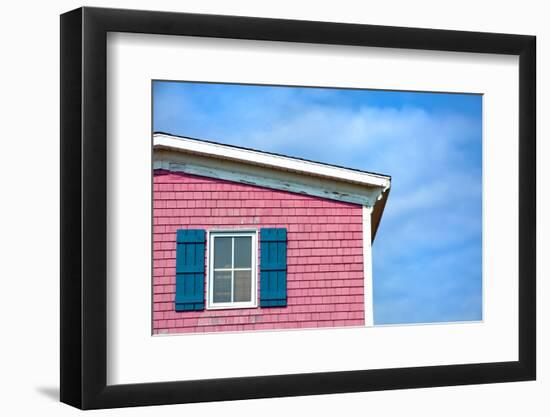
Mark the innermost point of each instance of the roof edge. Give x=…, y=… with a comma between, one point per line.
x=163, y=140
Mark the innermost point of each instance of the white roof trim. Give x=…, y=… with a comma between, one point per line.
x=195, y=146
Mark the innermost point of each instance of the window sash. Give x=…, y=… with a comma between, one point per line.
x=252, y=269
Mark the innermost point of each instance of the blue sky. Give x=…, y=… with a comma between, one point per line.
x=427, y=253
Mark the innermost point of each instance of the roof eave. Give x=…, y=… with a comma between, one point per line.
x=280, y=162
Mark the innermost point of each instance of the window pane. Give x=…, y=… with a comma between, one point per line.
x=243, y=285
x=243, y=247
x=222, y=287
x=222, y=252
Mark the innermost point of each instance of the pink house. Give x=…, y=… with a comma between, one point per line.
x=247, y=240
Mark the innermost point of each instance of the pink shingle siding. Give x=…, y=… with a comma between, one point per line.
x=325, y=253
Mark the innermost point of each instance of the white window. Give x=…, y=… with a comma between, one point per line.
x=232, y=269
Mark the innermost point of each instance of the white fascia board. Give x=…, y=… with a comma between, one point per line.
x=280, y=162
x=262, y=176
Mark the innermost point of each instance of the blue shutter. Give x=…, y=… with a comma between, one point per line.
x=190, y=269
x=273, y=267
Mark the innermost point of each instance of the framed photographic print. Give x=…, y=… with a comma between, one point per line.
x=259, y=207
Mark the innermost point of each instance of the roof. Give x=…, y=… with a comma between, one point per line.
x=165, y=140
x=275, y=171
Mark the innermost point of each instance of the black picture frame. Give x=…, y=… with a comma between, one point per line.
x=84, y=207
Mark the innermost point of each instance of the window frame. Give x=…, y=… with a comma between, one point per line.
x=211, y=235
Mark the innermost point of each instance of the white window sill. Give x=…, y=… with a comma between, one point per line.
x=232, y=306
